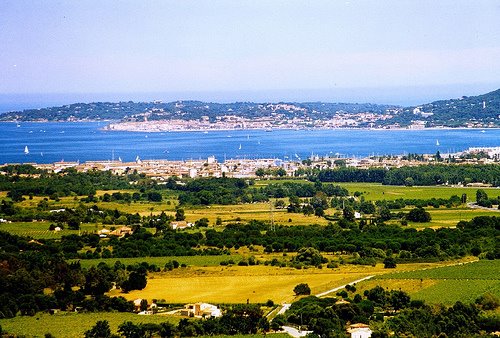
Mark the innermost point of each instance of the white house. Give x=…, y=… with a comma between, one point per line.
x=360, y=330
x=201, y=310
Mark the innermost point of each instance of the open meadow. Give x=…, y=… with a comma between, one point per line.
x=72, y=324
x=463, y=282
x=257, y=284
x=449, y=217
x=160, y=261
x=378, y=191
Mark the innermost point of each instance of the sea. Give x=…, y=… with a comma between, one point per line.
x=33, y=142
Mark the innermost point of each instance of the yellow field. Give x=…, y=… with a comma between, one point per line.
x=247, y=212
x=411, y=286
x=236, y=284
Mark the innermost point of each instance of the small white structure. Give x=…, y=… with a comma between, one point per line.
x=360, y=330
x=180, y=225
x=201, y=310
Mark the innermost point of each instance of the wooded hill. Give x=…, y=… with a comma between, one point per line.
x=478, y=111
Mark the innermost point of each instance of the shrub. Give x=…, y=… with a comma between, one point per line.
x=302, y=289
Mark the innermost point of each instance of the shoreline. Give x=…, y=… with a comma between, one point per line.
x=287, y=129
x=219, y=129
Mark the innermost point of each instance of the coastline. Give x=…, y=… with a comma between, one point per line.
x=155, y=127
x=208, y=130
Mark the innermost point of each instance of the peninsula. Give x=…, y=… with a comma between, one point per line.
x=482, y=111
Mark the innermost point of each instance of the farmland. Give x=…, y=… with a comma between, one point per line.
x=160, y=261
x=72, y=324
x=236, y=284
x=378, y=191
x=444, y=284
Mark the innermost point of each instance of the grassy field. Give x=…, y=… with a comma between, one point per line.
x=247, y=212
x=444, y=217
x=377, y=191
x=444, y=284
x=236, y=284
x=40, y=230
x=71, y=324
x=142, y=207
x=160, y=261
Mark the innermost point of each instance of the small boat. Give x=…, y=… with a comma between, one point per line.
x=26, y=150
x=483, y=131
x=240, y=147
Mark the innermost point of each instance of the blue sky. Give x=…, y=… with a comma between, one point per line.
x=379, y=51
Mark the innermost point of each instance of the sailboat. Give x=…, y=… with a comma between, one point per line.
x=26, y=150
x=437, y=142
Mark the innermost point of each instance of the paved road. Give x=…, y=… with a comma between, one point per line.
x=284, y=308
x=294, y=332
x=342, y=286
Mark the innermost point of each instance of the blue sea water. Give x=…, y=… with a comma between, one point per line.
x=51, y=142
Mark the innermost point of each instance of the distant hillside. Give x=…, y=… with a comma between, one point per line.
x=480, y=111
x=188, y=110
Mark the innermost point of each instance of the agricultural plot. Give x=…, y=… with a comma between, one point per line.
x=464, y=282
x=160, y=261
x=377, y=191
x=40, y=230
x=236, y=284
x=71, y=324
x=449, y=217
x=484, y=269
x=254, y=211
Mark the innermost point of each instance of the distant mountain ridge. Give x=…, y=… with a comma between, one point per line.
x=480, y=111
x=473, y=110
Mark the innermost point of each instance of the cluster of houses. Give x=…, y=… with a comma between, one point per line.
x=161, y=170
x=206, y=310
x=126, y=230
x=120, y=232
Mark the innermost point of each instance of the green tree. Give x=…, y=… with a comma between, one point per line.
x=302, y=289
x=389, y=263
x=136, y=281
x=202, y=222
x=130, y=330
x=179, y=214
x=99, y=330
x=419, y=215
x=260, y=172
x=409, y=182
x=348, y=213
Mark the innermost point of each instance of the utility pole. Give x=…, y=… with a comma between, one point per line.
x=271, y=215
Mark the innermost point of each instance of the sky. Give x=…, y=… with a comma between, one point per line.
x=399, y=52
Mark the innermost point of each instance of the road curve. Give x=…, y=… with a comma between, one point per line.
x=343, y=286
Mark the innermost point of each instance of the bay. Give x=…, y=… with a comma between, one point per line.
x=86, y=141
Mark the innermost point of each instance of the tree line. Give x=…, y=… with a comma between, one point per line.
x=433, y=174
